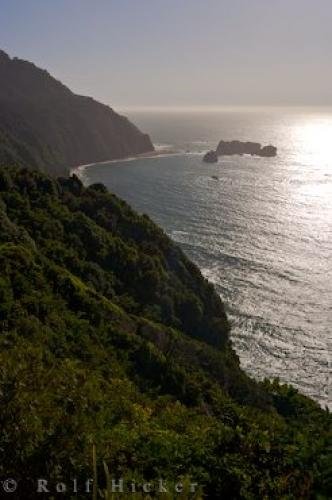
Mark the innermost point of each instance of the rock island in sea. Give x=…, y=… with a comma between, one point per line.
x=225, y=148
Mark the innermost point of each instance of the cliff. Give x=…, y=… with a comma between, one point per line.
x=44, y=125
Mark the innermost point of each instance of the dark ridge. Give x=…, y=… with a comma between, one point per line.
x=45, y=125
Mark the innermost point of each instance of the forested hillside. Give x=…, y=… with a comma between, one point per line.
x=110, y=335
x=45, y=125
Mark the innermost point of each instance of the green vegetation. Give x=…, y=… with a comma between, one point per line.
x=110, y=336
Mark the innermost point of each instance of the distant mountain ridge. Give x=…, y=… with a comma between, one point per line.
x=44, y=125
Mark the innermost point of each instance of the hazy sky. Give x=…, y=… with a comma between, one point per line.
x=178, y=52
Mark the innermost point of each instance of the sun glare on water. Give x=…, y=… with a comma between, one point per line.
x=315, y=139
x=312, y=140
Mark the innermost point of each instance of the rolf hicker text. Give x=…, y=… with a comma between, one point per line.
x=118, y=485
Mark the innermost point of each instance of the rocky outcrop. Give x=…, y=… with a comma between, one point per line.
x=240, y=148
x=45, y=125
x=237, y=148
x=210, y=157
x=225, y=148
x=268, y=151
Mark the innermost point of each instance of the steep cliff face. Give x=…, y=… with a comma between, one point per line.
x=43, y=124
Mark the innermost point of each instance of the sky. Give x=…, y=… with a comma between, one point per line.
x=178, y=53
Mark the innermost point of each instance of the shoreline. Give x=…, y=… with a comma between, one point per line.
x=161, y=152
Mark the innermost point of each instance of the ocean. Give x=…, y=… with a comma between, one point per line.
x=258, y=228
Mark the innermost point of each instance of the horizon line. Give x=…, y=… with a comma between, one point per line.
x=218, y=108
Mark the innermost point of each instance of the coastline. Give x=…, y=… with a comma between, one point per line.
x=160, y=151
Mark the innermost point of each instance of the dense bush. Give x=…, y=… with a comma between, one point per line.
x=109, y=335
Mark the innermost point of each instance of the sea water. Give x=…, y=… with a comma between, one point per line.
x=258, y=228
